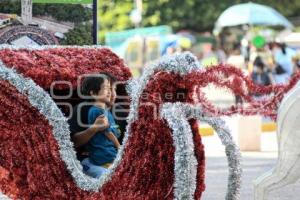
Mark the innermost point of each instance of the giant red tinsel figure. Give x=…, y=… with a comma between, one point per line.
x=31, y=164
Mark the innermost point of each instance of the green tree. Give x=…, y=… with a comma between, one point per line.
x=114, y=16
x=80, y=35
x=39, y=9
x=62, y=12
x=200, y=15
x=10, y=6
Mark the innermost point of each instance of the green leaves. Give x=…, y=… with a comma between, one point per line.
x=80, y=35
x=63, y=12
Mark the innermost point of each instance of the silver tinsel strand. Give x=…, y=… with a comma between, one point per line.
x=185, y=160
x=177, y=115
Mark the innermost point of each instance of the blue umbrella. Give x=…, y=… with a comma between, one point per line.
x=252, y=14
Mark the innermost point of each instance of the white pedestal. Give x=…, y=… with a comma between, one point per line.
x=246, y=131
x=249, y=133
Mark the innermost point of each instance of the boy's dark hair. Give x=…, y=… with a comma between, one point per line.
x=110, y=77
x=93, y=83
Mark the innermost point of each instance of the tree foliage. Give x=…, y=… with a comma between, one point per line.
x=80, y=35
x=200, y=15
x=10, y=6
x=62, y=12
x=114, y=16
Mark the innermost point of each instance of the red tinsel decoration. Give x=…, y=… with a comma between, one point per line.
x=31, y=167
x=64, y=64
x=232, y=78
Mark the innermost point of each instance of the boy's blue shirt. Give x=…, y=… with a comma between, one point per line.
x=101, y=149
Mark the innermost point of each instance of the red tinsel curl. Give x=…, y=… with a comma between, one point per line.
x=232, y=78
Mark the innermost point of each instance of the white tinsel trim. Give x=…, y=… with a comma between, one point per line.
x=177, y=114
x=185, y=169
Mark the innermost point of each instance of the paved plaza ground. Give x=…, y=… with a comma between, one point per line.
x=254, y=164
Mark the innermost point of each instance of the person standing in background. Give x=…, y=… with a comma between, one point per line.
x=284, y=66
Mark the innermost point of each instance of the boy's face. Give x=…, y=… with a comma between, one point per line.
x=104, y=94
x=113, y=95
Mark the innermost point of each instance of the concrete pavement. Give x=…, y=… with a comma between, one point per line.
x=254, y=164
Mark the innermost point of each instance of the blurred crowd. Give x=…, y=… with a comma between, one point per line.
x=267, y=64
x=272, y=63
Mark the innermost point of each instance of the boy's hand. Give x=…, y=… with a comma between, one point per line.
x=101, y=123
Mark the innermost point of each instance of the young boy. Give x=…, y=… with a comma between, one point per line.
x=102, y=147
